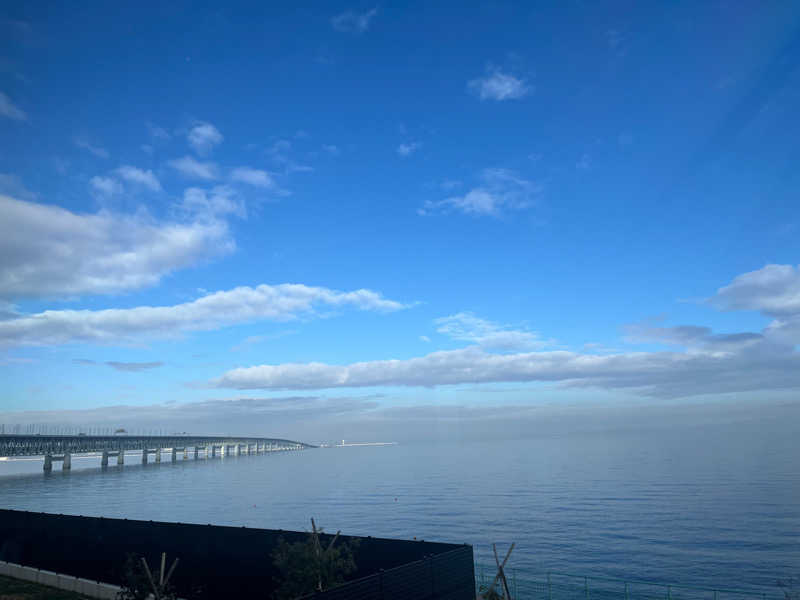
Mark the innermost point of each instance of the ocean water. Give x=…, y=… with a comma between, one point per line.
x=716, y=507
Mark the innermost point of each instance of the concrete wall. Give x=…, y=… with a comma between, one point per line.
x=92, y=589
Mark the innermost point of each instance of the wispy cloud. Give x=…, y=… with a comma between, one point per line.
x=193, y=168
x=49, y=251
x=133, y=367
x=9, y=110
x=219, y=200
x=145, y=178
x=128, y=367
x=157, y=133
x=354, y=22
x=104, y=186
x=240, y=305
x=203, y=137
x=465, y=326
x=331, y=149
x=497, y=85
x=84, y=144
x=407, y=149
x=501, y=190
x=12, y=185
x=255, y=177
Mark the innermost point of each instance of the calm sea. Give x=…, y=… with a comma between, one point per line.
x=714, y=507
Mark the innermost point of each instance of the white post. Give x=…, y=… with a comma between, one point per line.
x=67, y=462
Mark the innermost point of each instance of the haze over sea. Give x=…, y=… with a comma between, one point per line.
x=713, y=504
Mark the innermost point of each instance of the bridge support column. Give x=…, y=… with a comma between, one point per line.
x=185, y=453
x=48, y=463
x=104, y=460
x=144, y=456
x=238, y=449
x=174, y=455
x=67, y=465
x=195, y=452
x=158, y=455
x=213, y=451
x=121, y=457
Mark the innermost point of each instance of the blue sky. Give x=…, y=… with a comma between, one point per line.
x=521, y=204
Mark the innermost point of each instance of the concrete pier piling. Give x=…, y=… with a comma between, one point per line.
x=59, y=448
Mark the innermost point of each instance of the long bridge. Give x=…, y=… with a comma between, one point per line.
x=56, y=448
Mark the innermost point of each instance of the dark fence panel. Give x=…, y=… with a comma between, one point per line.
x=215, y=561
x=446, y=576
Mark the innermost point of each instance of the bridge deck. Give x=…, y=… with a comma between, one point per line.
x=39, y=445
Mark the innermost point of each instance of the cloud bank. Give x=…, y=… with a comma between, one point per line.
x=128, y=325
x=49, y=251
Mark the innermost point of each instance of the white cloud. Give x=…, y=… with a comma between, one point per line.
x=331, y=149
x=408, y=149
x=49, y=251
x=220, y=200
x=139, y=176
x=203, y=137
x=353, y=22
x=192, y=168
x=584, y=163
x=663, y=374
x=773, y=290
x=9, y=110
x=105, y=186
x=711, y=364
x=498, y=86
x=239, y=305
x=424, y=338
x=83, y=143
x=253, y=177
x=501, y=190
x=465, y=326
